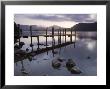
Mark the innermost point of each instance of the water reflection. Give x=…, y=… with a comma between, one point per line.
x=53, y=62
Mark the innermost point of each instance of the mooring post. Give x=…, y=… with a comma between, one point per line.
x=38, y=42
x=53, y=41
x=46, y=37
x=71, y=34
x=65, y=35
x=63, y=32
x=53, y=36
x=31, y=37
x=46, y=40
x=60, y=36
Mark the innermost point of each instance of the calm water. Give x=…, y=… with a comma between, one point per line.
x=41, y=65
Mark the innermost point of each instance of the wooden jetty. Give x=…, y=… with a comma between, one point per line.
x=59, y=34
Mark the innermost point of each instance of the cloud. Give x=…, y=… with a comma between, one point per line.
x=60, y=17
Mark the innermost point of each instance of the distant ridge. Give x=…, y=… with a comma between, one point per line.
x=85, y=27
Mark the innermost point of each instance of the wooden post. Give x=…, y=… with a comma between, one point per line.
x=71, y=35
x=38, y=42
x=60, y=36
x=63, y=32
x=52, y=35
x=46, y=37
x=65, y=35
x=31, y=37
x=53, y=41
x=46, y=40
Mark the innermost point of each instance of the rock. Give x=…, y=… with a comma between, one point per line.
x=45, y=59
x=88, y=57
x=31, y=45
x=16, y=46
x=20, y=52
x=56, y=64
x=60, y=60
x=24, y=72
x=33, y=54
x=75, y=70
x=45, y=75
x=21, y=43
x=27, y=49
x=70, y=63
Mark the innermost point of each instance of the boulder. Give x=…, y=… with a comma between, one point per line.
x=60, y=60
x=31, y=45
x=56, y=64
x=27, y=49
x=16, y=46
x=75, y=70
x=21, y=43
x=70, y=63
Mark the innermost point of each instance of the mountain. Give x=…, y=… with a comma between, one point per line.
x=55, y=27
x=34, y=27
x=85, y=27
x=25, y=27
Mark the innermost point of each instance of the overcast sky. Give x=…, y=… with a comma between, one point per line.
x=63, y=20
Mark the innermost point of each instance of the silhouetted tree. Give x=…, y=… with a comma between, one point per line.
x=16, y=32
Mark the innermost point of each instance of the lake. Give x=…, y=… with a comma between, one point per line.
x=83, y=52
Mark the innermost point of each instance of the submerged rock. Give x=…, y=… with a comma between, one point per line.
x=24, y=72
x=33, y=54
x=21, y=43
x=45, y=59
x=60, y=60
x=75, y=70
x=27, y=49
x=70, y=63
x=71, y=66
x=20, y=52
x=88, y=57
x=31, y=45
x=16, y=46
x=56, y=64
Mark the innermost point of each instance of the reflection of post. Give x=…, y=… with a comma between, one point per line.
x=22, y=69
x=65, y=35
x=74, y=44
x=71, y=35
x=31, y=37
x=75, y=36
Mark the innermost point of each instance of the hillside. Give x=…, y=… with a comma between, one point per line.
x=85, y=27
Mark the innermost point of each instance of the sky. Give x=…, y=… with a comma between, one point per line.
x=63, y=20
